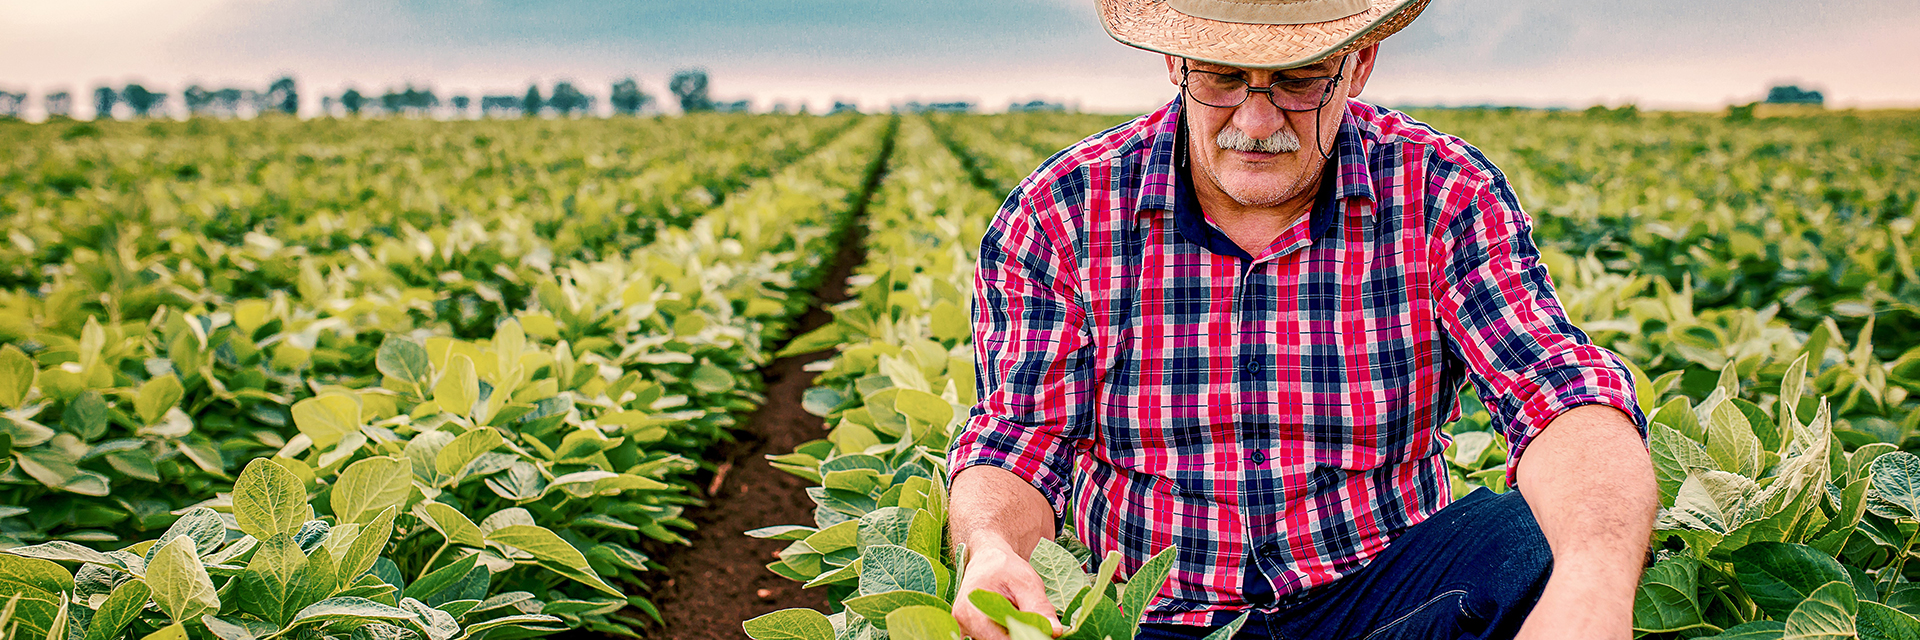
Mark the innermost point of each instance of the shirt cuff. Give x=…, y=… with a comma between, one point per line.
x=1610, y=385
x=992, y=444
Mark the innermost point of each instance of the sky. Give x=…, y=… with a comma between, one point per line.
x=1658, y=54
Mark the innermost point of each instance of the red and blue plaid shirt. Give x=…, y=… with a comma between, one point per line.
x=1277, y=417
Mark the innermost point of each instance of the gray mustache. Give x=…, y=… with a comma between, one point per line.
x=1232, y=138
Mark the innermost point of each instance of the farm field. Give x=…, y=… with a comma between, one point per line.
x=414, y=379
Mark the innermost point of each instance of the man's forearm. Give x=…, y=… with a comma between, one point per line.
x=991, y=506
x=1590, y=484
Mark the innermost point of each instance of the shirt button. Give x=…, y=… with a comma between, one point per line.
x=1258, y=457
x=1251, y=367
x=1269, y=549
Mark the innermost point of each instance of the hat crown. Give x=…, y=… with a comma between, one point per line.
x=1270, y=11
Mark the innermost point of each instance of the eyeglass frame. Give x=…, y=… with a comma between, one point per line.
x=1338, y=75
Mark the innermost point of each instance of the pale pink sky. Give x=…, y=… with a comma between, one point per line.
x=1702, y=54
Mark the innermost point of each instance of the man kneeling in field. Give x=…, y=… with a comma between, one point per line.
x=1235, y=327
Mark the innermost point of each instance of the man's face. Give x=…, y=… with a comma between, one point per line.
x=1255, y=153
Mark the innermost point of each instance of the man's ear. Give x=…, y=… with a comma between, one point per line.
x=1173, y=70
x=1362, y=69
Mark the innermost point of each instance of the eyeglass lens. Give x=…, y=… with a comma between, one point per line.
x=1224, y=91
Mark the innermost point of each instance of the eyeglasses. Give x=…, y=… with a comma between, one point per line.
x=1287, y=94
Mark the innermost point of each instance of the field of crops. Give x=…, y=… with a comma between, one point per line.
x=407, y=379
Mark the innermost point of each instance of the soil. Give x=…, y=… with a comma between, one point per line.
x=719, y=581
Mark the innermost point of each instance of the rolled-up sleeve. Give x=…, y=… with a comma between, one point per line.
x=1032, y=357
x=1526, y=360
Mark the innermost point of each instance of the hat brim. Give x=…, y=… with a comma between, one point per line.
x=1154, y=26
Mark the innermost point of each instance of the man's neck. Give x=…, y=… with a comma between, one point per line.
x=1253, y=227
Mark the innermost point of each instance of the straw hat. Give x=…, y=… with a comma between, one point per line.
x=1256, y=34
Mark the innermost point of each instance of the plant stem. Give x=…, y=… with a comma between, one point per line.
x=428, y=568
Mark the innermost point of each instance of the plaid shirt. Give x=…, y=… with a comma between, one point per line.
x=1276, y=418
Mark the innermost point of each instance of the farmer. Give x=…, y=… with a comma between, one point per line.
x=1235, y=327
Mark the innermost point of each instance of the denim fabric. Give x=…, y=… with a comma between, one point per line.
x=1473, y=570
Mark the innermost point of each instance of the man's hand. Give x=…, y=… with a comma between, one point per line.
x=1000, y=518
x=995, y=567
x=1589, y=481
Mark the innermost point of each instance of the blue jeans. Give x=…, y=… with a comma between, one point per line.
x=1473, y=570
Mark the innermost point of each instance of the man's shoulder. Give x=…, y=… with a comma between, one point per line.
x=1392, y=133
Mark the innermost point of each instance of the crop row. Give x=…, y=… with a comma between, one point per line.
x=402, y=469
x=1788, y=502
x=476, y=209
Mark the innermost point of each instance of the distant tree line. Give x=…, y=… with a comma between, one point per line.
x=282, y=96
x=689, y=89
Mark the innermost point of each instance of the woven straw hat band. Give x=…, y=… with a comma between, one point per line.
x=1270, y=11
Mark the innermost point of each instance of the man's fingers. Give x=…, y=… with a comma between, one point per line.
x=976, y=624
x=1031, y=597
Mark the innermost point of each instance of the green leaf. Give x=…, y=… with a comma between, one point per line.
x=442, y=578
x=790, y=624
x=119, y=609
x=280, y=580
x=86, y=415
x=458, y=388
x=1731, y=441
x=1674, y=456
x=553, y=553
x=350, y=607
x=922, y=623
x=156, y=397
x=828, y=336
x=462, y=451
x=175, y=631
x=38, y=585
x=200, y=525
x=327, y=418
x=537, y=623
x=889, y=567
x=1756, y=630
x=1896, y=484
x=1678, y=414
x=875, y=607
x=369, y=486
x=1792, y=384
x=403, y=359
x=1664, y=602
x=923, y=406
x=366, y=547
x=63, y=551
x=948, y=321
x=711, y=379
x=180, y=583
x=840, y=536
x=1002, y=611
x=1881, y=622
x=453, y=525
x=1145, y=584
x=17, y=374
x=1827, y=614
x=237, y=629
x=1859, y=463
x=885, y=525
x=1778, y=576
x=785, y=532
x=268, y=499
x=1713, y=501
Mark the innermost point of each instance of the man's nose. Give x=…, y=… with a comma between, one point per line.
x=1258, y=117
